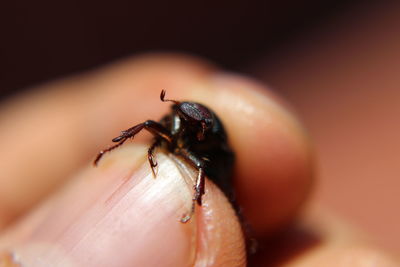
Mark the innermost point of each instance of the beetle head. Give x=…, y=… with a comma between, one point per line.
x=199, y=117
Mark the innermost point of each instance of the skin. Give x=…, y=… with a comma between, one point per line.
x=56, y=208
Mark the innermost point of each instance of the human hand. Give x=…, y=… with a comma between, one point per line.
x=118, y=215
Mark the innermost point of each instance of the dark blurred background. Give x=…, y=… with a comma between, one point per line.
x=337, y=62
x=42, y=40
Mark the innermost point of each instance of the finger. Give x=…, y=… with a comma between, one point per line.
x=119, y=215
x=320, y=239
x=273, y=160
x=49, y=133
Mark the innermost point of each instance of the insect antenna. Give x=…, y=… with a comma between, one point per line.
x=162, y=95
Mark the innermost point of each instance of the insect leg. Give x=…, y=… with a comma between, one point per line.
x=153, y=127
x=199, y=185
x=102, y=152
x=150, y=155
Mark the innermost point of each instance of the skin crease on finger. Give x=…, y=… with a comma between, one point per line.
x=125, y=217
x=273, y=170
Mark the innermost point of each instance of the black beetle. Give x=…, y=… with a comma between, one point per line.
x=195, y=133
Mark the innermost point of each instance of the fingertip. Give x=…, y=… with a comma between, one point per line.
x=118, y=214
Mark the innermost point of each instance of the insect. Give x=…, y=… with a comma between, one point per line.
x=195, y=133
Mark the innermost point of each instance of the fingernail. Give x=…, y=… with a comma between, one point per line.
x=115, y=215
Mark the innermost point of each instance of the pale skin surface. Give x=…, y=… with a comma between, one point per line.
x=117, y=214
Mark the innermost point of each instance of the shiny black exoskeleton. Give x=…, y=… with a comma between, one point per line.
x=193, y=132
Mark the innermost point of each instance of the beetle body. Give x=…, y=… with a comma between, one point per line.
x=195, y=133
x=212, y=147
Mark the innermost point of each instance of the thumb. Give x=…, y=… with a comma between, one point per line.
x=119, y=215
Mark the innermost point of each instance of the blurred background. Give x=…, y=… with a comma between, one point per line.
x=337, y=62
